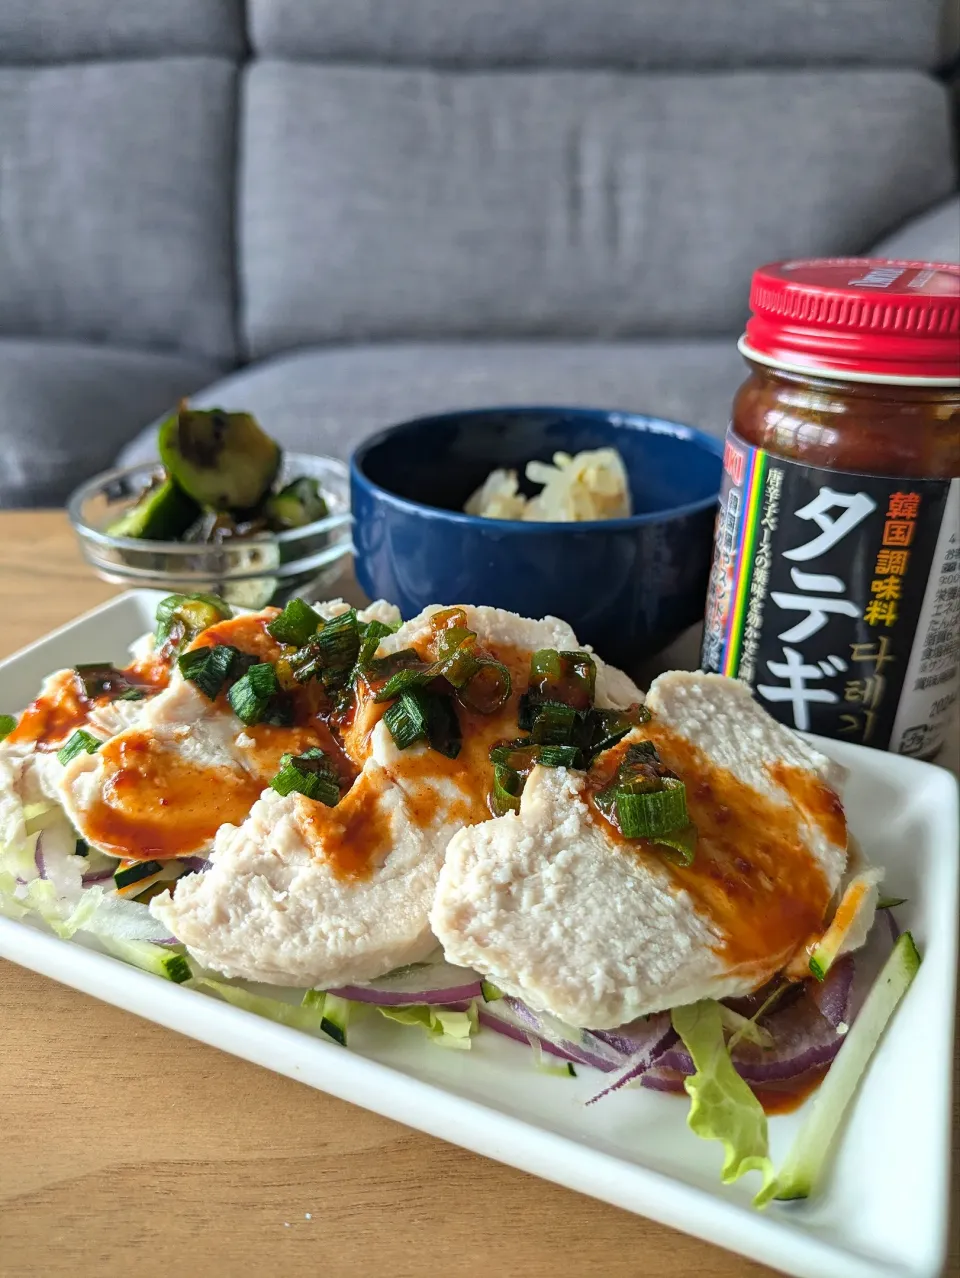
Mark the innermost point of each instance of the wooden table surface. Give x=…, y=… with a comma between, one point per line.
x=125, y=1148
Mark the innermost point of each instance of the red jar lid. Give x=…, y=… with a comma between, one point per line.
x=864, y=318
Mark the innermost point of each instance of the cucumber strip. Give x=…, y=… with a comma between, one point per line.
x=336, y=1016
x=805, y=1164
x=857, y=898
x=169, y=964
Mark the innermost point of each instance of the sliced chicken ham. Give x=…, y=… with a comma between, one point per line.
x=304, y=894
x=557, y=908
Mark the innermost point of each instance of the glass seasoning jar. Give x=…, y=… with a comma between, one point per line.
x=835, y=587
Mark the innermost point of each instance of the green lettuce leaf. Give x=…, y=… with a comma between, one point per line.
x=444, y=1027
x=722, y=1106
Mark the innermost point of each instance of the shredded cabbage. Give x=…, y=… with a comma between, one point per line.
x=722, y=1106
x=444, y=1027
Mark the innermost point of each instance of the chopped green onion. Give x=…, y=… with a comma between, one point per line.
x=507, y=789
x=569, y=677
x=7, y=724
x=338, y=644
x=651, y=814
x=100, y=678
x=407, y=719
x=682, y=841
x=407, y=679
x=522, y=754
x=649, y=802
x=371, y=633
x=443, y=727
x=250, y=696
x=77, y=743
x=560, y=756
x=310, y=774
x=420, y=715
x=208, y=668
x=296, y=624
x=488, y=688
x=490, y=991
x=180, y=618
x=554, y=723
x=607, y=727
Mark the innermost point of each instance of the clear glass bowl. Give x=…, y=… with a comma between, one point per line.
x=249, y=572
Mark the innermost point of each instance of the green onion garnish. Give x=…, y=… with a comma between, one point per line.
x=569, y=677
x=648, y=814
x=296, y=624
x=607, y=727
x=100, y=678
x=682, y=841
x=409, y=672
x=209, y=668
x=7, y=724
x=250, y=696
x=371, y=633
x=310, y=774
x=507, y=788
x=420, y=715
x=338, y=644
x=407, y=719
x=76, y=744
x=649, y=802
x=488, y=688
x=560, y=756
x=180, y=618
x=555, y=723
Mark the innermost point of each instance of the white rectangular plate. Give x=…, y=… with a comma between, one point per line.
x=884, y=1208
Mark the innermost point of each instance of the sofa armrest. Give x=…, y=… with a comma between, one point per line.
x=933, y=236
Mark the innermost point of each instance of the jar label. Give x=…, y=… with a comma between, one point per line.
x=836, y=596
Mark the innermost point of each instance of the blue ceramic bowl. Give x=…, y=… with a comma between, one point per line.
x=627, y=586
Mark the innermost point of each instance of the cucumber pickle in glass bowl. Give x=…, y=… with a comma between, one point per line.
x=227, y=530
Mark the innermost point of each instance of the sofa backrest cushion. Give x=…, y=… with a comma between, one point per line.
x=117, y=184
x=380, y=203
x=674, y=34
x=35, y=31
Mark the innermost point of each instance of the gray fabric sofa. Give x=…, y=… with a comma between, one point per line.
x=338, y=213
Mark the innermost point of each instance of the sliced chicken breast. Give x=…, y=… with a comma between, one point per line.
x=305, y=894
x=557, y=908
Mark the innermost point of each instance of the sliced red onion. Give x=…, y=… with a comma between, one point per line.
x=893, y=925
x=662, y=1081
x=832, y=997
x=431, y=983
x=804, y=1040
x=492, y=1021
x=587, y=1048
x=659, y=1038
x=196, y=864
x=38, y=856
x=96, y=876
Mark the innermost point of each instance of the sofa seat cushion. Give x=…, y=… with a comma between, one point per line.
x=327, y=401
x=67, y=409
